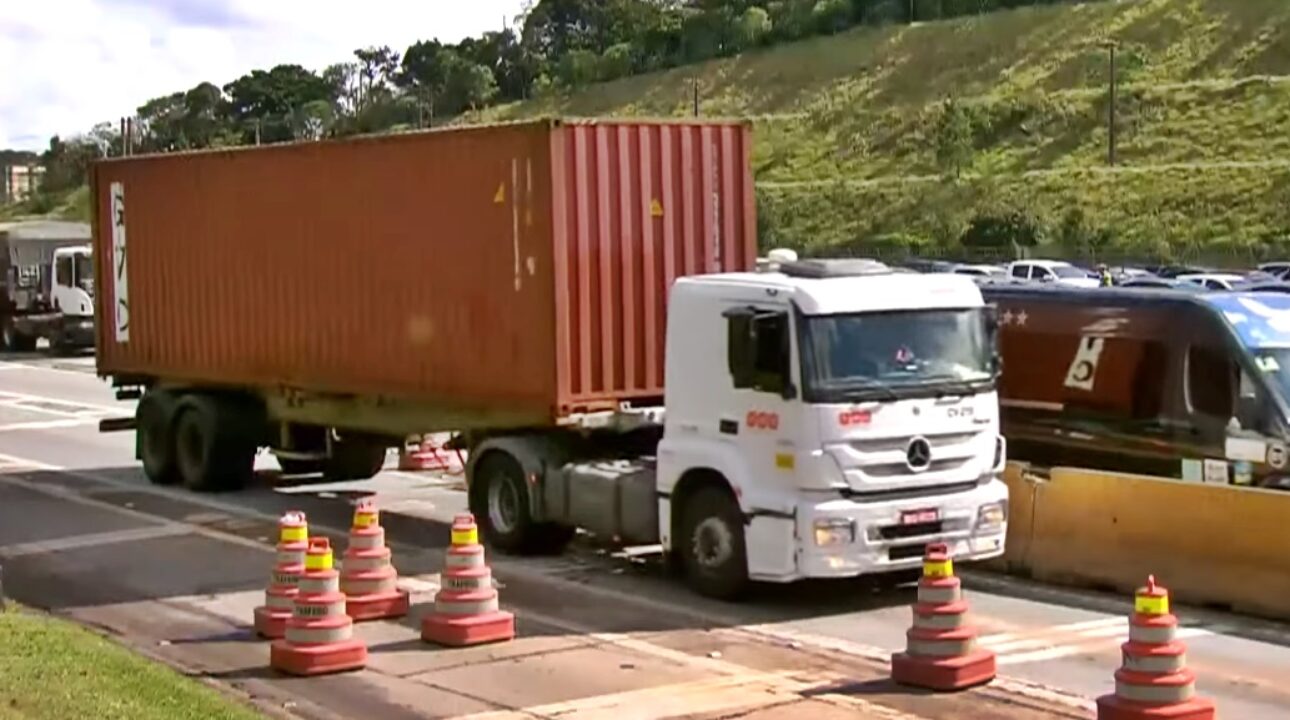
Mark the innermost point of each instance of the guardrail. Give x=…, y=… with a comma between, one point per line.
x=1211, y=544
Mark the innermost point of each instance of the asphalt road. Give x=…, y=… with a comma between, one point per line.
x=82, y=531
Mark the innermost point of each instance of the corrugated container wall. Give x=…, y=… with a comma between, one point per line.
x=512, y=270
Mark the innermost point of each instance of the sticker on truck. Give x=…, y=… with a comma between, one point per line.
x=120, y=274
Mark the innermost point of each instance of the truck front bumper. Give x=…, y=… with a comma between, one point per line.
x=840, y=538
x=77, y=331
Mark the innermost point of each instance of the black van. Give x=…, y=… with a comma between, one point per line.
x=1165, y=383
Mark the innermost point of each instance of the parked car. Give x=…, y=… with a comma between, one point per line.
x=1277, y=269
x=1213, y=281
x=1052, y=271
x=980, y=270
x=1159, y=283
x=924, y=265
x=1277, y=286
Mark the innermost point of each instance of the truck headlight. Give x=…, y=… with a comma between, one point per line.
x=834, y=531
x=992, y=516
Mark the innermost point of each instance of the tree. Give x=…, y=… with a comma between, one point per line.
x=954, y=138
x=753, y=27
x=264, y=103
x=376, y=69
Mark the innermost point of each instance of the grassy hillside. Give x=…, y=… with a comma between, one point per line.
x=848, y=128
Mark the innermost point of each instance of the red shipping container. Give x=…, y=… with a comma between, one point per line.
x=511, y=274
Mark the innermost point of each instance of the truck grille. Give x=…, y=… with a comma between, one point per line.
x=899, y=444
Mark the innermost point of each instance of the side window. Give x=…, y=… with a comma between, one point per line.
x=1211, y=381
x=1019, y=271
x=757, y=349
x=63, y=270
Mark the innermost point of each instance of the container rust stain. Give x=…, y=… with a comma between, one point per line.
x=522, y=267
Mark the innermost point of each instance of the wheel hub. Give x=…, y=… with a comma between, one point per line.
x=503, y=505
x=713, y=543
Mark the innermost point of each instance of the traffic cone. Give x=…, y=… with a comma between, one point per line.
x=279, y=599
x=367, y=578
x=421, y=452
x=940, y=650
x=1153, y=681
x=319, y=636
x=465, y=608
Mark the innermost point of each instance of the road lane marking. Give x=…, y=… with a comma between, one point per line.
x=713, y=695
x=75, y=542
x=48, y=424
x=8, y=396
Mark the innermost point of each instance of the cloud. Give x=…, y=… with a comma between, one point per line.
x=69, y=64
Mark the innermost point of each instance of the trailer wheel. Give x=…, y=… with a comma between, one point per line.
x=713, y=552
x=155, y=436
x=16, y=341
x=213, y=448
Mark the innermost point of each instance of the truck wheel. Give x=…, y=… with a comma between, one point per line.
x=155, y=417
x=712, y=547
x=499, y=501
x=213, y=448
x=16, y=341
x=354, y=458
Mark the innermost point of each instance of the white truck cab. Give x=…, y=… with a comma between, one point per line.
x=47, y=286
x=821, y=419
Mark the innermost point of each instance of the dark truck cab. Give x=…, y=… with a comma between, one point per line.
x=1163, y=383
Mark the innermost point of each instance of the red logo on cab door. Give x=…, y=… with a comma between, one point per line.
x=849, y=418
x=762, y=420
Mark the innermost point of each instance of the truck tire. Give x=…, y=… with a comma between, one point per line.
x=214, y=449
x=15, y=341
x=355, y=458
x=711, y=545
x=500, y=503
x=155, y=417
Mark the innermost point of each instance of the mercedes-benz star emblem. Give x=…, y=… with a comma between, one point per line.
x=919, y=454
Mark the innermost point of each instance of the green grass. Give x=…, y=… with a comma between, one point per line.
x=846, y=125
x=51, y=669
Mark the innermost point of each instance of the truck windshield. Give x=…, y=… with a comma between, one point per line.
x=901, y=354
x=84, y=272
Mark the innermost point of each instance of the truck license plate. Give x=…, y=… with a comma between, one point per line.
x=918, y=517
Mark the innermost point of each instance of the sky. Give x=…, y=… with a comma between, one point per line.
x=66, y=65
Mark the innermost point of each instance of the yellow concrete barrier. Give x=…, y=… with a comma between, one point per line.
x=1209, y=544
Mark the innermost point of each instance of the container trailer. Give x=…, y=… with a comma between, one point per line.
x=531, y=286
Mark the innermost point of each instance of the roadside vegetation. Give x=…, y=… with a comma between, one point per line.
x=51, y=669
x=982, y=124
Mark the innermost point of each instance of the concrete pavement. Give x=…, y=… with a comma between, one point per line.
x=1057, y=647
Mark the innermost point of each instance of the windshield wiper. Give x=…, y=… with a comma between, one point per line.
x=864, y=387
x=950, y=385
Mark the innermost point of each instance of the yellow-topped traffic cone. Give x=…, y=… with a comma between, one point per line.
x=941, y=651
x=279, y=599
x=319, y=636
x=466, y=608
x=367, y=578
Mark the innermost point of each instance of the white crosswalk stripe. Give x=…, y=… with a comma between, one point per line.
x=1059, y=641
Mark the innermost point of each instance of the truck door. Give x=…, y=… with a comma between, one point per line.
x=64, y=285
x=759, y=417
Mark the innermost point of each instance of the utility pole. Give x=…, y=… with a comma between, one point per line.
x=1110, y=113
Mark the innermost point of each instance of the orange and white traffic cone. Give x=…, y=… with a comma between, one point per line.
x=280, y=597
x=941, y=651
x=367, y=578
x=319, y=637
x=466, y=608
x=1153, y=681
